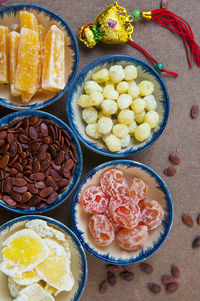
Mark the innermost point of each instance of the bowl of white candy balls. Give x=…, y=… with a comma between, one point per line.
x=118, y=106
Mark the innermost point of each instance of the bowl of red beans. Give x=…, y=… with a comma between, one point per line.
x=122, y=212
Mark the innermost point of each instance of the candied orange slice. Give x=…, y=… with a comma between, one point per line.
x=53, y=77
x=13, y=50
x=4, y=79
x=28, y=20
x=28, y=56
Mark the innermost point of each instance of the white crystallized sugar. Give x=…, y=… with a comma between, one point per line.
x=119, y=107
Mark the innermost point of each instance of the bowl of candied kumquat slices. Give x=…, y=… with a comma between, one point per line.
x=122, y=212
x=38, y=56
x=118, y=106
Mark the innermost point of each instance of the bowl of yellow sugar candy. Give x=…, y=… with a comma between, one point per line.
x=41, y=259
x=38, y=56
x=118, y=106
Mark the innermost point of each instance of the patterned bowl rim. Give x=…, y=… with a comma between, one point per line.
x=167, y=225
x=83, y=281
x=77, y=173
x=83, y=73
x=74, y=46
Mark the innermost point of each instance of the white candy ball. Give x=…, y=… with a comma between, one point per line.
x=109, y=106
x=132, y=126
x=113, y=143
x=146, y=87
x=96, y=98
x=102, y=114
x=130, y=72
x=110, y=92
x=101, y=76
x=92, y=131
x=90, y=115
x=150, y=103
x=142, y=132
x=117, y=73
x=91, y=86
x=139, y=117
x=125, y=141
x=120, y=130
x=152, y=118
x=133, y=89
x=85, y=101
x=122, y=87
x=138, y=105
x=104, y=125
x=124, y=101
x=126, y=117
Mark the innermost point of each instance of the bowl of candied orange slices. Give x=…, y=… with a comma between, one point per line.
x=122, y=212
x=38, y=56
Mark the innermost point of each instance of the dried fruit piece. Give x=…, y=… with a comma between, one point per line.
x=27, y=278
x=103, y=287
x=28, y=56
x=93, y=200
x=34, y=292
x=112, y=268
x=116, y=226
x=42, y=35
x=13, y=51
x=194, y=111
x=146, y=267
x=4, y=78
x=53, y=77
x=101, y=229
x=166, y=279
x=133, y=239
x=154, y=288
x=152, y=214
x=124, y=211
x=164, y=4
x=111, y=278
x=113, y=183
x=187, y=219
x=170, y=171
x=172, y=287
x=174, y=158
x=28, y=20
x=138, y=189
x=126, y=275
x=196, y=242
x=175, y=271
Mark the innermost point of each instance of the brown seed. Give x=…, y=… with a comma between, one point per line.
x=46, y=192
x=52, y=197
x=10, y=137
x=19, y=182
x=63, y=182
x=170, y=171
x=52, y=151
x=187, y=219
x=36, y=166
x=194, y=111
x=33, y=133
x=26, y=197
x=9, y=201
x=112, y=268
x=2, y=142
x=13, y=172
x=13, y=160
x=23, y=206
x=40, y=185
x=41, y=205
x=4, y=161
x=7, y=186
x=42, y=152
x=1, y=174
x=3, y=134
x=19, y=148
x=37, y=176
x=146, y=267
x=198, y=220
x=175, y=271
x=164, y=4
x=60, y=158
x=20, y=189
x=154, y=287
x=172, y=287
x=111, y=278
x=174, y=158
x=33, y=120
x=196, y=242
x=34, y=201
x=68, y=165
x=18, y=166
x=50, y=182
x=128, y=276
x=128, y=267
x=24, y=139
x=44, y=129
x=15, y=196
x=34, y=147
x=46, y=140
x=166, y=279
x=103, y=287
x=55, y=174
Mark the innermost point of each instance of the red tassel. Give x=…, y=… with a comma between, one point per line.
x=150, y=57
x=177, y=24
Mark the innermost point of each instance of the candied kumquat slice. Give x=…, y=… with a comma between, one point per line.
x=124, y=211
x=132, y=239
x=13, y=39
x=28, y=20
x=4, y=77
x=101, y=229
x=93, y=200
x=113, y=183
x=152, y=214
x=116, y=226
x=138, y=189
x=27, y=67
x=53, y=77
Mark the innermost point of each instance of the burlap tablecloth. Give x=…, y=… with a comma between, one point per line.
x=181, y=135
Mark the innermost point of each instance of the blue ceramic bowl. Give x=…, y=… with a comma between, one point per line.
x=145, y=72
x=78, y=258
x=77, y=173
x=157, y=191
x=9, y=16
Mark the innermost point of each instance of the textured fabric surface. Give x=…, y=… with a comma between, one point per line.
x=181, y=135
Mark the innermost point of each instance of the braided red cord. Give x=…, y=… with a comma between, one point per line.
x=150, y=57
x=178, y=25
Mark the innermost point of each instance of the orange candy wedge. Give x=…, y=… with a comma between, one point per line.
x=4, y=78
x=53, y=77
x=26, y=77
x=13, y=53
x=28, y=20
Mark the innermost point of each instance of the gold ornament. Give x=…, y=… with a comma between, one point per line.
x=111, y=26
